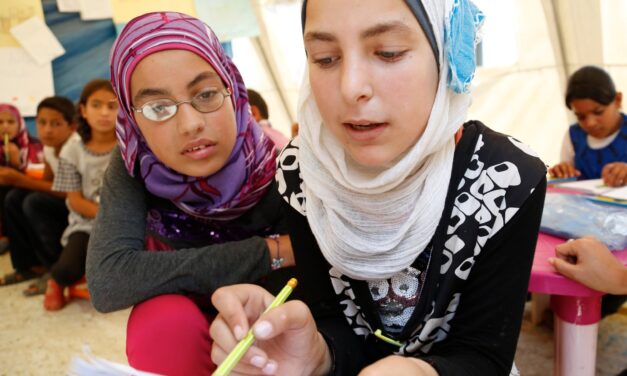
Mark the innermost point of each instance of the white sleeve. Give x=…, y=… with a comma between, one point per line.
x=567, y=154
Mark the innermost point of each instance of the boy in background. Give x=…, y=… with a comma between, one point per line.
x=35, y=216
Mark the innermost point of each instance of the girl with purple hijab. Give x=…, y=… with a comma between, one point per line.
x=189, y=204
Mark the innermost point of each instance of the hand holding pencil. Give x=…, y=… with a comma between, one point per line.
x=286, y=340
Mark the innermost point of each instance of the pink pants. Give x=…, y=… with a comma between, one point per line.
x=169, y=335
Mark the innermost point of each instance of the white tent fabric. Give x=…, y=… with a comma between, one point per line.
x=530, y=47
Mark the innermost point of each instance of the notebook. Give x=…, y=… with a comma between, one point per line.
x=595, y=187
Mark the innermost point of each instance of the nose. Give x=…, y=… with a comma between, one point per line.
x=589, y=122
x=189, y=120
x=356, y=84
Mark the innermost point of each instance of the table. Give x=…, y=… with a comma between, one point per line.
x=577, y=311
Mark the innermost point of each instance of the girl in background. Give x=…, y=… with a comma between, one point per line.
x=82, y=164
x=596, y=146
x=18, y=147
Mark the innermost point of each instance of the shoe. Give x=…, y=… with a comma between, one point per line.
x=17, y=277
x=79, y=289
x=54, y=299
x=39, y=287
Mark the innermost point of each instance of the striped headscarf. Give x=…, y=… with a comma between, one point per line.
x=373, y=224
x=30, y=148
x=247, y=173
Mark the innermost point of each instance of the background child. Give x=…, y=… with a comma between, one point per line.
x=259, y=109
x=596, y=146
x=17, y=150
x=10, y=121
x=82, y=164
x=192, y=182
x=590, y=262
x=400, y=221
x=35, y=216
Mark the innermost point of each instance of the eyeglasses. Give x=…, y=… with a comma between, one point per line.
x=208, y=100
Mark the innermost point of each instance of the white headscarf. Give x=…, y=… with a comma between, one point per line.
x=372, y=226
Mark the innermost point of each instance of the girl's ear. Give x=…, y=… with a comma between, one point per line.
x=255, y=112
x=618, y=99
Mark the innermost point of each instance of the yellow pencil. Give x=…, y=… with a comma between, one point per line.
x=6, y=149
x=240, y=349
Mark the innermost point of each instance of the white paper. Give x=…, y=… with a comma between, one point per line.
x=592, y=186
x=617, y=193
x=96, y=9
x=37, y=39
x=24, y=82
x=68, y=5
x=596, y=187
x=89, y=365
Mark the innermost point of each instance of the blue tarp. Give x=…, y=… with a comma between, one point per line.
x=86, y=44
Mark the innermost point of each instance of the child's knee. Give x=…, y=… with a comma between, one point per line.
x=13, y=200
x=170, y=327
x=31, y=205
x=167, y=315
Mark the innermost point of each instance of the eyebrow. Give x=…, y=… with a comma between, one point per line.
x=148, y=92
x=201, y=77
x=376, y=30
x=387, y=27
x=153, y=92
x=596, y=109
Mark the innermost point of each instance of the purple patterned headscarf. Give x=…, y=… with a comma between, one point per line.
x=248, y=171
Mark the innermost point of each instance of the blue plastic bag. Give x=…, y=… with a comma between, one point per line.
x=572, y=216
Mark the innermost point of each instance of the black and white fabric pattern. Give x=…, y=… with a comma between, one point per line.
x=501, y=174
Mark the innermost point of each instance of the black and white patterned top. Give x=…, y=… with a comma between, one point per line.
x=459, y=306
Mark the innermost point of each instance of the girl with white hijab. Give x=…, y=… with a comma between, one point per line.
x=413, y=230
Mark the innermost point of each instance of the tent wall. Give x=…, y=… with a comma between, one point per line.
x=519, y=89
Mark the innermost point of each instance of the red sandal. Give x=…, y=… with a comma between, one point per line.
x=79, y=289
x=54, y=299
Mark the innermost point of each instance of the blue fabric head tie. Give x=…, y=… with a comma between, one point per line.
x=461, y=37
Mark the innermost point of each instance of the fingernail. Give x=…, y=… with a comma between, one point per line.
x=239, y=332
x=270, y=368
x=262, y=329
x=258, y=361
x=551, y=260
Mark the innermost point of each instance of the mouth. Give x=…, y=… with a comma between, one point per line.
x=198, y=149
x=363, y=125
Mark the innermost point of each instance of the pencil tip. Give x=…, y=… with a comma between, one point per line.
x=292, y=282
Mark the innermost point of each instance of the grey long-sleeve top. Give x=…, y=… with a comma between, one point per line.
x=121, y=273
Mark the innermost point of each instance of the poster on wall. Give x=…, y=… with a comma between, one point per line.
x=68, y=5
x=95, y=9
x=24, y=83
x=13, y=13
x=38, y=40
